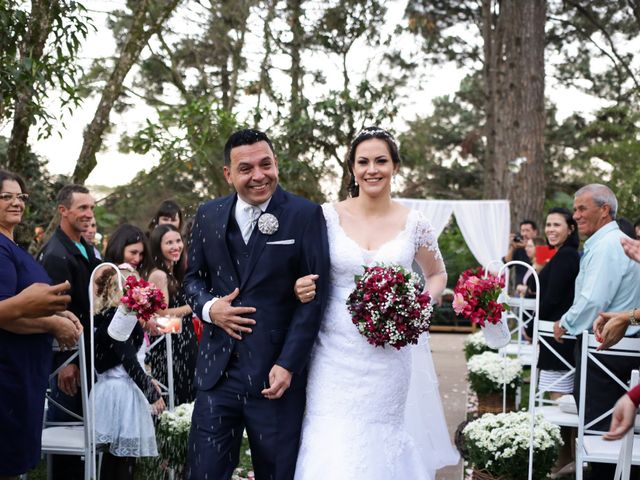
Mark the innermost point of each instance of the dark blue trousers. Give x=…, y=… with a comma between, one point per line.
x=219, y=417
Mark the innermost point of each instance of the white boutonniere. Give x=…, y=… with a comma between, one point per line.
x=268, y=224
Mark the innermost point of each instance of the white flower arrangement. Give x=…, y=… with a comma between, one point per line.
x=475, y=344
x=500, y=444
x=488, y=372
x=173, y=434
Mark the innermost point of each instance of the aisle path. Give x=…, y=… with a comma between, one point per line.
x=452, y=369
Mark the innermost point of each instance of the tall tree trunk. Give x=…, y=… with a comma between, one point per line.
x=527, y=193
x=32, y=47
x=514, y=82
x=351, y=127
x=135, y=42
x=294, y=13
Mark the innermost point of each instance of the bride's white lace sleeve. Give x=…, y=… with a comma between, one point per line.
x=425, y=236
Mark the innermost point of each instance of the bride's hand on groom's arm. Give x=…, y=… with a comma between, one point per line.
x=229, y=318
x=279, y=381
x=305, y=288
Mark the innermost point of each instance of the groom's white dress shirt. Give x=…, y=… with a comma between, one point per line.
x=246, y=216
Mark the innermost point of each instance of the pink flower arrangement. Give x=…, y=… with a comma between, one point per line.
x=388, y=306
x=142, y=298
x=476, y=296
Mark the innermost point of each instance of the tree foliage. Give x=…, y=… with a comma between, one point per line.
x=39, y=57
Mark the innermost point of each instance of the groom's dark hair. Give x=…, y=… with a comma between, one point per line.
x=247, y=136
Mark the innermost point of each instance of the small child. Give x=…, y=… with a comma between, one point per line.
x=124, y=394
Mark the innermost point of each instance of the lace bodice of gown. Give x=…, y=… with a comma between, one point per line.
x=354, y=425
x=348, y=258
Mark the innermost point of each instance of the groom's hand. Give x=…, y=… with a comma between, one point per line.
x=279, y=381
x=228, y=318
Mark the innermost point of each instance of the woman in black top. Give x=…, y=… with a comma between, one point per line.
x=557, y=288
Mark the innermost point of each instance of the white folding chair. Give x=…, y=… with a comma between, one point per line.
x=73, y=437
x=590, y=446
x=552, y=410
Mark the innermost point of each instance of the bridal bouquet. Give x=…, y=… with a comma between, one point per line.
x=476, y=297
x=388, y=306
x=499, y=444
x=140, y=301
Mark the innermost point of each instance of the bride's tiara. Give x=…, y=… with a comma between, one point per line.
x=374, y=132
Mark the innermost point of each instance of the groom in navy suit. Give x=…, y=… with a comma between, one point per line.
x=247, y=250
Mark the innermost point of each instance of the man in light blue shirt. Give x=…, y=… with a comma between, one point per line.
x=608, y=279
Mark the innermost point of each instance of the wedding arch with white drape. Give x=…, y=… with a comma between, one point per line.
x=485, y=224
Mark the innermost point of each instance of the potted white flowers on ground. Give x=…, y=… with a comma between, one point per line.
x=475, y=344
x=172, y=435
x=498, y=446
x=487, y=373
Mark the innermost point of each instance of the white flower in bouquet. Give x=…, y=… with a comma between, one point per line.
x=488, y=371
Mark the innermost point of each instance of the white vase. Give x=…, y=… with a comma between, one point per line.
x=122, y=324
x=497, y=335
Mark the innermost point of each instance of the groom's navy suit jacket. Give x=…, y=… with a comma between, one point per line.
x=285, y=329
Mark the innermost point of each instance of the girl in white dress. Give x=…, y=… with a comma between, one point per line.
x=372, y=412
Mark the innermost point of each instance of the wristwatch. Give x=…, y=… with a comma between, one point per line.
x=633, y=320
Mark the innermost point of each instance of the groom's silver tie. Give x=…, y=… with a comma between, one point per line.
x=252, y=213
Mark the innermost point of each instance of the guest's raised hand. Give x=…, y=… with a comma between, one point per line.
x=158, y=406
x=305, y=288
x=610, y=327
x=558, y=331
x=631, y=248
x=228, y=317
x=624, y=414
x=279, y=382
x=41, y=300
x=152, y=327
x=66, y=329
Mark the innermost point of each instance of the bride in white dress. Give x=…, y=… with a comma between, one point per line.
x=372, y=413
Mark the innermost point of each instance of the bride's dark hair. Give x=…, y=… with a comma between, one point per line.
x=368, y=133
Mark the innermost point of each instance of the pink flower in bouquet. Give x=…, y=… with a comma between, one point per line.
x=142, y=298
x=458, y=303
x=476, y=296
x=388, y=306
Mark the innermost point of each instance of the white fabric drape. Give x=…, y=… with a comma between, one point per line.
x=438, y=212
x=485, y=224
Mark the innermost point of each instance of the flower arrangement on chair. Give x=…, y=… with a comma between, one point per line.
x=477, y=298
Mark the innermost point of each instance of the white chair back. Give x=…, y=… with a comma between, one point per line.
x=73, y=437
x=590, y=446
x=554, y=411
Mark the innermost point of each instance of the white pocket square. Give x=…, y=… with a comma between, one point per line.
x=290, y=241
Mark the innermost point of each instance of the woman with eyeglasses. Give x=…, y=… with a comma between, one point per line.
x=25, y=343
